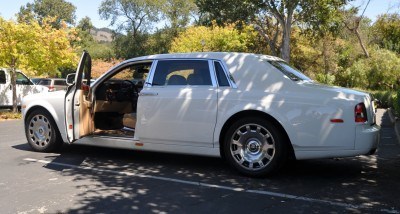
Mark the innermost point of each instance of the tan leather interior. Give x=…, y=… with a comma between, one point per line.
x=86, y=125
x=107, y=106
x=129, y=120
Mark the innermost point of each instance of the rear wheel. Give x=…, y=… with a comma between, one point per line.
x=255, y=147
x=41, y=132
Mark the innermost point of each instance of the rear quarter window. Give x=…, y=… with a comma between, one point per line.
x=289, y=71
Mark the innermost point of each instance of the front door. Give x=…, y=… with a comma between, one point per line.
x=179, y=104
x=78, y=103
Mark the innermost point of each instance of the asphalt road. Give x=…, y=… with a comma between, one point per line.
x=97, y=180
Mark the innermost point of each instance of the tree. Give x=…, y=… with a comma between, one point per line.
x=277, y=15
x=40, y=9
x=29, y=46
x=178, y=12
x=214, y=38
x=386, y=32
x=130, y=15
x=352, y=23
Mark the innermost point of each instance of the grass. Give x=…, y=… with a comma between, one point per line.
x=7, y=115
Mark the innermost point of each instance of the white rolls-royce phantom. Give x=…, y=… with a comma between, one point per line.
x=255, y=111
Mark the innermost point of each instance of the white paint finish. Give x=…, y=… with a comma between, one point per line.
x=201, y=184
x=185, y=115
x=182, y=115
x=53, y=103
x=130, y=143
x=22, y=90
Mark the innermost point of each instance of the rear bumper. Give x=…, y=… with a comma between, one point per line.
x=367, y=138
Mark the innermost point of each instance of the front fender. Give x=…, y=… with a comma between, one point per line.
x=54, y=105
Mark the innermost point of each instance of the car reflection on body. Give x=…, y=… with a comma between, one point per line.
x=255, y=111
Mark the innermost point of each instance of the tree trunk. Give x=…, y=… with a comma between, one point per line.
x=285, y=52
x=361, y=43
x=14, y=89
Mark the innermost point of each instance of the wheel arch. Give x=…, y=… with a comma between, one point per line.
x=52, y=114
x=253, y=113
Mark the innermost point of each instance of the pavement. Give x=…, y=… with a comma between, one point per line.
x=83, y=179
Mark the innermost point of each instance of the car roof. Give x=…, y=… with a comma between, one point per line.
x=204, y=55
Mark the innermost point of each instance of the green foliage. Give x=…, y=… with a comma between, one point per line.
x=388, y=98
x=328, y=79
x=386, y=32
x=133, y=16
x=178, y=12
x=62, y=10
x=380, y=71
x=214, y=38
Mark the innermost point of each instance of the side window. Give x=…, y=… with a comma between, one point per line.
x=136, y=73
x=221, y=76
x=60, y=82
x=44, y=82
x=22, y=79
x=182, y=72
x=3, y=79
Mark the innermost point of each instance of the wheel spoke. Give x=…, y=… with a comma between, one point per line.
x=237, y=143
x=267, y=146
x=237, y=152
x=248, y=129
x=252, y=147
x=251, y=165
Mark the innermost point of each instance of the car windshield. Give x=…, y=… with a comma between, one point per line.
x=289, y=71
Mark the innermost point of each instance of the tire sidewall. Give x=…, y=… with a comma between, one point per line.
x=281, y=148
x=54, y=142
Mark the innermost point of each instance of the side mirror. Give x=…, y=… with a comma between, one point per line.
x=70, y=79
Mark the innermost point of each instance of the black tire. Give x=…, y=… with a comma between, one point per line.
x=260, y=149
x=41, y=132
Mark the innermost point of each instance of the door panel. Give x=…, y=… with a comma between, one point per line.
x=78, y=118
x=177, y=115
x=181, y=106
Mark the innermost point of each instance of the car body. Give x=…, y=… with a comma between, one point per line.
x=24, y=87
x=53, y=84
x=253, y=110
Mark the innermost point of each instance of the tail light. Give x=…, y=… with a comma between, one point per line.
x=360, y=113
x=51, y=88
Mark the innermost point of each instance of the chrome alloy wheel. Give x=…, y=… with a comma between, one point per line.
x=252, y=147
x=40, y=130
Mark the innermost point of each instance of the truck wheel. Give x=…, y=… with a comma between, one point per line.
x=41, y=132
x=255, y=147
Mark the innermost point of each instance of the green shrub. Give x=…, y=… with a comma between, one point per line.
x=387, y=98
x=396, y=103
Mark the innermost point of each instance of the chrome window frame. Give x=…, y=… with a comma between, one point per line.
x=228, y=75
x=149, y=83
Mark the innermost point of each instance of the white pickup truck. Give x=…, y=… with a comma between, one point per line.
x=24, y=87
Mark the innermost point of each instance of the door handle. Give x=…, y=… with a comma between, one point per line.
x=10, y=87
x=148, y=94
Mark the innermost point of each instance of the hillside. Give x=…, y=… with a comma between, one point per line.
x=102, y=34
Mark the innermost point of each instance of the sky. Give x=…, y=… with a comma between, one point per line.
x=8, y=9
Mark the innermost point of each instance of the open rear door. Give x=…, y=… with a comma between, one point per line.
x=78, y=118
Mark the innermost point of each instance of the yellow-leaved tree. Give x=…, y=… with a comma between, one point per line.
x=37, y=49
x=215, y=38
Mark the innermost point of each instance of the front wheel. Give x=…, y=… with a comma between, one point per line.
x=41, y=132
x=255, y=147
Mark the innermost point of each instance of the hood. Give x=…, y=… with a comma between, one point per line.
x=45, y=96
